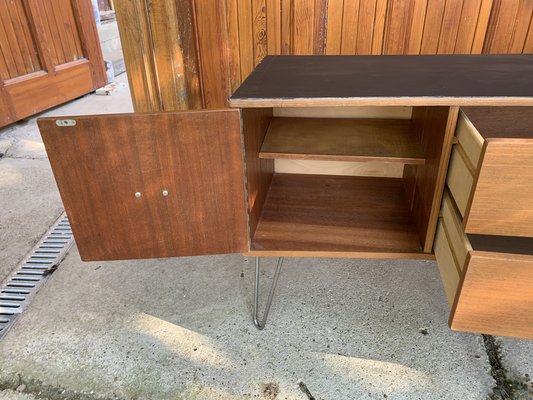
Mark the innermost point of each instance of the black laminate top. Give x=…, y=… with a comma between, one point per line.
x=374, y=80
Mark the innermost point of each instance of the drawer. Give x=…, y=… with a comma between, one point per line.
x=460, y=179
x=490, y=175
x=488, y=291
x=470, y=140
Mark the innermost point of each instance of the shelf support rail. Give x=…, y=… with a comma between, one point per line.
x=261, y=324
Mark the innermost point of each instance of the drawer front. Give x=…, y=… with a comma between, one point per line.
x=451, y=248
x=502, y=201
x=448, y=268
x=469, y=139
x=454, y=228
x=495, y=295
x=489, y=292
x=460, y=179
x=464, y=161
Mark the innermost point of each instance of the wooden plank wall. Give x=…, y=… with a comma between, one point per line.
x=49, y=54
x=232, y=36
x=510, y=27
x=18, y=52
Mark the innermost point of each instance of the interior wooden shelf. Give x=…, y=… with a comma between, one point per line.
x=323, y=215
x=338, y=139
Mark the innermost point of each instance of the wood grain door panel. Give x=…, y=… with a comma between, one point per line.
x=112, y=171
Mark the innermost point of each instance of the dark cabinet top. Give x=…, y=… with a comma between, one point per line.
x=278, y=81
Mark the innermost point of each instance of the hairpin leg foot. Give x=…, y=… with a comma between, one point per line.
x=261, y=324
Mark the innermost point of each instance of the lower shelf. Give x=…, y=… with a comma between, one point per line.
x=336, y=216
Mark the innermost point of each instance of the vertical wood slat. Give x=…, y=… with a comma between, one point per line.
x=259, y=30
x=528, y=45
x=482, y=26
x=320, y=26
x=68, y=30
x=509, y=26
x=233, y=38
x=31, y=35
x=26, y=41
x=22, y=43
x=8, y=64
x=59, y=18
x=134, y=32
x=4, y=71
x=522, y=27
x=54, y=39
x=75, y=34
x=246, y=37
x=41, y=29
x=451, y=21
x=68, y=33
x=273, y=26
x=86, y=26
x=303, y=15
x=286, y=26
x=365, y=27
x=379, y=27
x=212, y=39
x=350, y=18
x=398, y=21
x=9, y=43
x=38, y=29
x=418, y=26
x=168, y=52
x=192, y=90
x=467, y=27
x=334, y=26
x=433, y=26
x=501, y=24
x=361, y=28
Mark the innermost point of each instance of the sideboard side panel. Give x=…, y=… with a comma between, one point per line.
x=435, y=127
x=259, y=172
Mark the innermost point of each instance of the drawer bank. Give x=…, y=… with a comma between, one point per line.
x=414, y=157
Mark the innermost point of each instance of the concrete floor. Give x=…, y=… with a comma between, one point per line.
x=181, y=328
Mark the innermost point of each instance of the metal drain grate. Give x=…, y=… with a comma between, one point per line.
x=33, y=271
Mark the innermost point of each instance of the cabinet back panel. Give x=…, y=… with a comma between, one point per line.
x=376, y=169
x=347, y=168
x=345, y=112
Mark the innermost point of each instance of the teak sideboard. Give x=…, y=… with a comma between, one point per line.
x=416, y=157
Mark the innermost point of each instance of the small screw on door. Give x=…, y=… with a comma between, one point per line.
x=138, y=194
x=164, y=193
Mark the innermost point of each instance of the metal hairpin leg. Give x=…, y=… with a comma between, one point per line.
x=261, y=325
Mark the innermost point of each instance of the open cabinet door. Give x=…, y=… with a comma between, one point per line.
x=151, y=185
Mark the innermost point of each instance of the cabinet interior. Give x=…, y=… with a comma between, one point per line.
x=344, y=181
